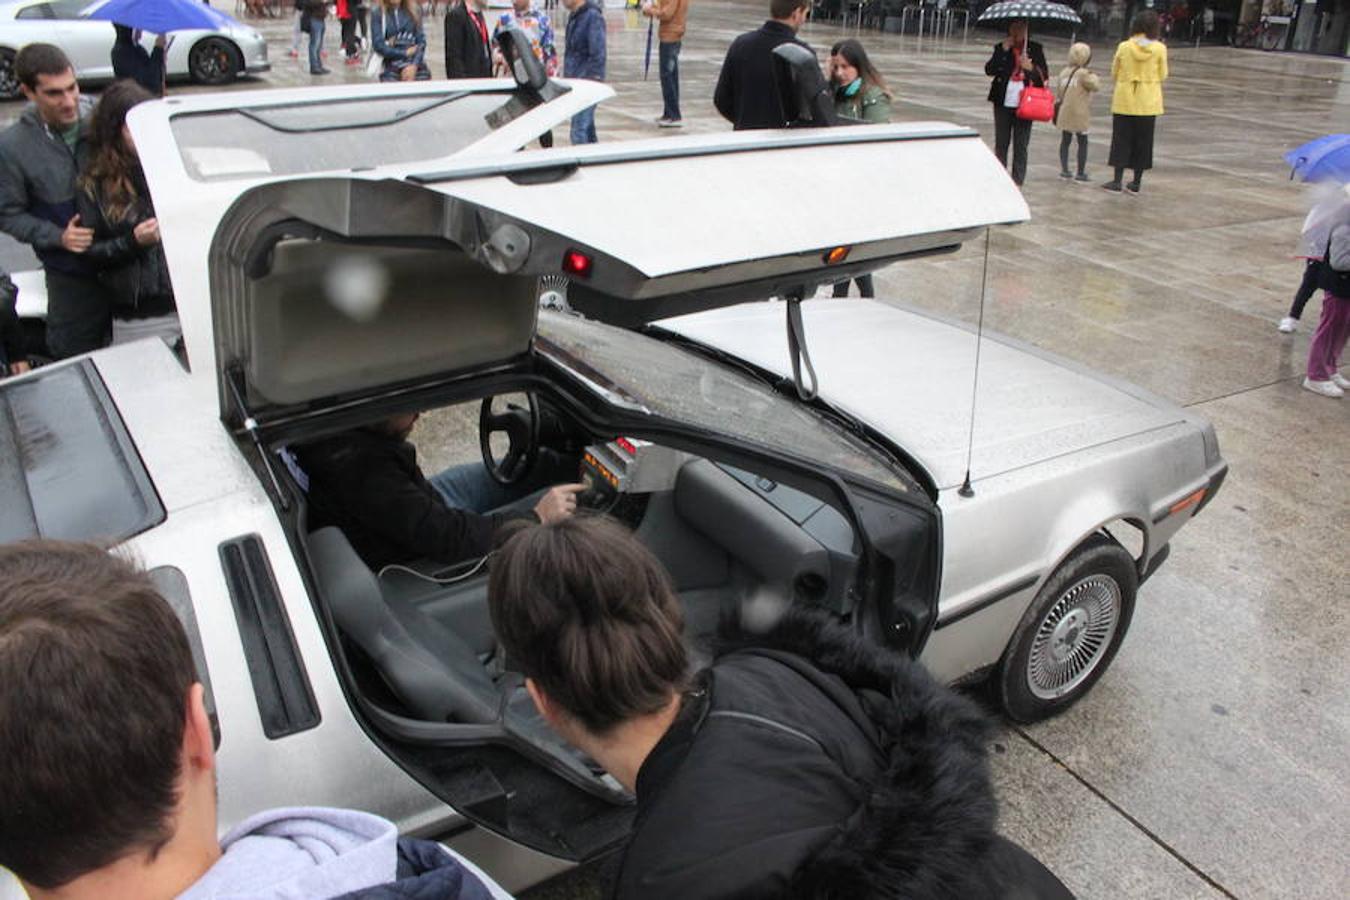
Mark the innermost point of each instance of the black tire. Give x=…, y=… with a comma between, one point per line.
x=214, y=60
x=9, y=82
x=1070, y=633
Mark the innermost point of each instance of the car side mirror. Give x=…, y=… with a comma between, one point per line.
x=802, y=88
x=525, y=67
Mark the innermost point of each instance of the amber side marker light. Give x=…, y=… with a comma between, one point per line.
x=577, y=263
x=836, y=256
x=1186, y=503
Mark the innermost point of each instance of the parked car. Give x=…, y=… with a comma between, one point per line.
x=206, y=57
x=343, y=254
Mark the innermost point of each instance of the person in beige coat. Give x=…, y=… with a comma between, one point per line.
x=1075, y=86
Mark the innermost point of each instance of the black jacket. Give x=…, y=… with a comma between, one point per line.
x=12, y=347
x=466, y=55
x=131, y=60
x=809, y=763
x=747, y=88
x=136, y=277
x=1000, y=66
x=367, y=483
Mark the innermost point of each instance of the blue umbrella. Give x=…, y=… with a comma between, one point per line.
x=163, y=16
x=1325, y=159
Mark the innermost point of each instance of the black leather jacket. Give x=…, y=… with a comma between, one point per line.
x=1000, y=66
x=136, y=276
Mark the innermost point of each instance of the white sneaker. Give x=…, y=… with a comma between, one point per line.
x=1340, y=381
x=663, y=122
x=1288, y=325
x=1325, y=388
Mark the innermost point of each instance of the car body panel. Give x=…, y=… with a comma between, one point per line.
x=89, y=42
x=1042, y=484
x=910, y=375
x=1054, y=444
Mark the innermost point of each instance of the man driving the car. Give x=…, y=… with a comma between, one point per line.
x=367, y=483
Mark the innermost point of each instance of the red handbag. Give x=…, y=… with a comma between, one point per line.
x=1036, y=104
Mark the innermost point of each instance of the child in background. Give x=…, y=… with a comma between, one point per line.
x=1074, y=87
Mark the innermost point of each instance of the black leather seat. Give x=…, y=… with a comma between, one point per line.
x=436, y=674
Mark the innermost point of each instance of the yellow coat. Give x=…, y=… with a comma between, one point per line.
x=1139, y=69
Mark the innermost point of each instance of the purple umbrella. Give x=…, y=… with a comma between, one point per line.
x=162, y=16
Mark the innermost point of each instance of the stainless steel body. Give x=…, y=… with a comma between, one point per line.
x=1059, y=453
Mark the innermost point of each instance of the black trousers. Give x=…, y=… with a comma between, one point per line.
x=1132, y=142
x=79, y=314
x=1009, y=128
x=350, y=45
x=1306, y=288
x=864, y=283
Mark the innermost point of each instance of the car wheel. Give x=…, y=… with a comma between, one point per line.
x=9, y=82
x=213, y=60
x=1070, y=633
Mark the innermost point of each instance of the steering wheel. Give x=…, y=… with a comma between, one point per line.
x=521, y=426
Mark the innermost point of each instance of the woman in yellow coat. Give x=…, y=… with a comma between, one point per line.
x=1139, y=69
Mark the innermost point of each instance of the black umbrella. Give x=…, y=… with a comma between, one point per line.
x=1029, y=9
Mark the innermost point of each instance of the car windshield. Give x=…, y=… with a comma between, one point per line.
x=676, y=384
x=296, y=138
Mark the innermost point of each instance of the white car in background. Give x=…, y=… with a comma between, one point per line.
x=206, y=57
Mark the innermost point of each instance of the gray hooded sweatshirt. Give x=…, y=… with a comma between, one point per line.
x=304, y=853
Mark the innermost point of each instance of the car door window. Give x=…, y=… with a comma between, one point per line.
x=67, y=9
x=37, y=11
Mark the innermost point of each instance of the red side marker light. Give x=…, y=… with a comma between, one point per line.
x=577, y=264
x=626, y=446
x=836, y=256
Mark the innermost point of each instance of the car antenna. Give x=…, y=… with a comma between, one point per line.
x=966, y=490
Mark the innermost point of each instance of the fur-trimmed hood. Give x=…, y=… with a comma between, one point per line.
x=933, y=811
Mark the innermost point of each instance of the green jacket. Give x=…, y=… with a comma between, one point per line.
x=870, y=104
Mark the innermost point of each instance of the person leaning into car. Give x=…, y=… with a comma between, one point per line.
x=367, y=483
x=104, y=797
x=804, y=762
x=40, y=158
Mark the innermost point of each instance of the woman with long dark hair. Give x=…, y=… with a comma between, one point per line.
x=860, y=93
x=114, y=200
x=859, y=90
x=396, y=35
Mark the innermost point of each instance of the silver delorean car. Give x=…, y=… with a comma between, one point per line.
x=343, y=254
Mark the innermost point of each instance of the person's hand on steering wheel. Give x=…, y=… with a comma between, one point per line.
x=559, y=503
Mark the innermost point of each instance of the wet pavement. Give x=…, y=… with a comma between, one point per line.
x=1211, y=760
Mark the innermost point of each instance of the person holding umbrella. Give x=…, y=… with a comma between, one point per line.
x=672, y=14
x=131, y=60
x=1015, y=63
x=1139, y=69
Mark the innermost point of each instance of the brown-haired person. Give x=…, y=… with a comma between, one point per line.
x=804, y=762
x=747, y=89
x=114, y=200
x=107, y=760
x=40, y=158
x=1139, y=69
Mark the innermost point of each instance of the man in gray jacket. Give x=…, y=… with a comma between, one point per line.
x=39, y=162
x=107, y=761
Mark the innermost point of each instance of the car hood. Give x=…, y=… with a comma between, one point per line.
x=909, y=374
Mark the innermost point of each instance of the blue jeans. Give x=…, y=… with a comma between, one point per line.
x=468, y=486
x=315, y=44
x=669, y=62
x=583, y=127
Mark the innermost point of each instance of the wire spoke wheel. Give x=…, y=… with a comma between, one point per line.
x=1073, y=637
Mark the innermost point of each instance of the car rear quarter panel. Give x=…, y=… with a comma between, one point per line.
x=1008, y=538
